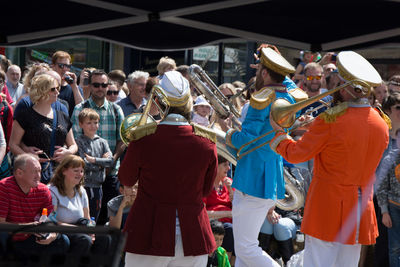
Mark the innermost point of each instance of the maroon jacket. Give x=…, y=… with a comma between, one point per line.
x=175, y=169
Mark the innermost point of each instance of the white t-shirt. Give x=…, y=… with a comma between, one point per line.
x=69, y=210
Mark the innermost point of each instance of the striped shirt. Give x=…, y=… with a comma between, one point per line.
x=18, y=207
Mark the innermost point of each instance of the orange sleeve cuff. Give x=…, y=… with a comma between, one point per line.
x=279, y=137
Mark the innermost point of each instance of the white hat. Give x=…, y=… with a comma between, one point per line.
x=201, y=101
x=176, y=88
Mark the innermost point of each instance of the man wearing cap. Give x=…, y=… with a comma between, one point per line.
x=258, y=177
x=168, y=223
x=346, y=142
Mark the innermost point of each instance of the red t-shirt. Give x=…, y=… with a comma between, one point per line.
x=219, y=200
x=18, y=207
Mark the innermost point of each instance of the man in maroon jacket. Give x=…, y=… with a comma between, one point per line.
x=175, y=164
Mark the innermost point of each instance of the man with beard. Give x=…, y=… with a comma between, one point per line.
x=258, y=178
x=313, y=80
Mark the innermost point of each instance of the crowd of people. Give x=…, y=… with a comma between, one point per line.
x=179, y=202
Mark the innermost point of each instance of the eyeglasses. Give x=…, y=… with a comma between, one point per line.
x=110, y=92
x=309, y=78
x=97, y=85
x=55, y=88
x=62, y=65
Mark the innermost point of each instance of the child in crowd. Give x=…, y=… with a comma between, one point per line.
x=97, y=156
x=218, y=258
x=119, y=206
x=118, y=209
x=305, y=58
x=202, y=111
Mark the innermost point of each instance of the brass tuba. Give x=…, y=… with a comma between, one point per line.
x=135, y=121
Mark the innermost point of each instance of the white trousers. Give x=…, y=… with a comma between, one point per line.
x=319, y=253
x=248, y=215
x=139, y=260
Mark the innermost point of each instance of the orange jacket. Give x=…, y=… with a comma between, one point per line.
x=346, y=153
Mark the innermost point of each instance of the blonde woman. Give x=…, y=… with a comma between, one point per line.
x=43, y=129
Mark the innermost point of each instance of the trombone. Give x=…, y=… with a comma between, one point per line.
x=221, y=104
x=284, y=113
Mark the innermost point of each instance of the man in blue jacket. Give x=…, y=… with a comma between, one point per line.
x=258, y=178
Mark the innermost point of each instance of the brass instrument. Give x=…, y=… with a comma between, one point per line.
x=136, y=121
x=284, y=113
x=222, y=106
x=294, y=192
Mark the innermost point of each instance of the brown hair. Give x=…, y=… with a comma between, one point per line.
x=70, y=161
x=276, y=77
x=60, y=54
x=118, y=76
x=88, y=113
x=151, y=81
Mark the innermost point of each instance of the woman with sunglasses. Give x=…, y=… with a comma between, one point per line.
x=43, y=127
x=112, y=92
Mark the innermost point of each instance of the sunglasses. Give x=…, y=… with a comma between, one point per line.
x=47, y=163
x=112, y=92
x=55, y=88
x=62, y=65
x=97, y=85
x=309, y=78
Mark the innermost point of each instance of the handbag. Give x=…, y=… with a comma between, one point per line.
x=47, y=167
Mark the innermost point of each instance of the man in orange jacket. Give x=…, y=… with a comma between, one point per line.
x=346, y=143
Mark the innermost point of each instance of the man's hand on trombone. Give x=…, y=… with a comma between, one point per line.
x=302, y=123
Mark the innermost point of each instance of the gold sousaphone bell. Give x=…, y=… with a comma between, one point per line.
x=138, y=123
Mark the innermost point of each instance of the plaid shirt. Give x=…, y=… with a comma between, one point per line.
x=109, y=124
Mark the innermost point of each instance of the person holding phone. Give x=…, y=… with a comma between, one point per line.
x=69, y=90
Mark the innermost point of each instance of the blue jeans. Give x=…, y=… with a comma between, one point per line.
x=394, y=236
x=285, y=229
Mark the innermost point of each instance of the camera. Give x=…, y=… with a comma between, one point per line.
x=333, y=57
x=69, y=79
x=86, y=80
